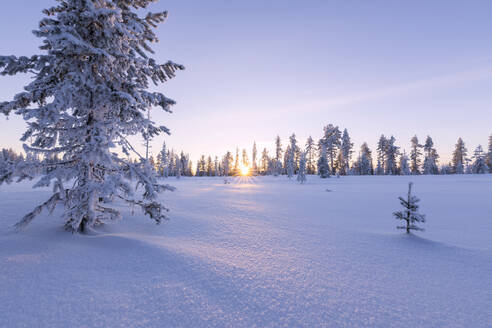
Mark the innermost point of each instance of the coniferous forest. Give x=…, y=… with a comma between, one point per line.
x=332, y=155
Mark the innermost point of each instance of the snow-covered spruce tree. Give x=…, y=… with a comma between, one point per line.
x=479, y=165
x=301, y=174
x=183, y=159
x=216, y=166
x=236, y=163
x=332, y=140
x=346, y=151
x=227, y=163
x=245, y=159
x=311, y=153
x=339, y=164
x=459, y=156
x=430, y=160
x=209, y=167
x=323, y=168
x=254, y=166
x=88, y=94
x=415, y=154
x=365, y=160
x=404, y=169
x=445, y=169
x=278, y=156
x=264, y=161
x=163, y=168
x=286, y=160
x=178, y=167
x=381, y=151
x=410, y=214
x=468, y=165
x=290, y=155
x=489, y=154
x=201, y=167
x=391, y=152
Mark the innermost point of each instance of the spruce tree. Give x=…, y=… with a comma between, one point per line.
x=340, y=164
x=264, y=162
x=381, y=151
x=310, y=155
x=479, y=165
x=301, y=174
x=245, y=159
x=290, y=155
x=286, y=160
x=89, y=93
x=209, y=167
x=227, y=163
x=404, y=169
x=278, y=156
x=459, y=156
x=323, y=168
x=390, y=154
x=410, y=214
x=365, y=160
x=163, y=161
x=254, y=166
x=489, y=154
x=415, y=154
x=332, y=142
x=430, y=160
x=236, y=163
x=346, y=151
x=201, y=167
x=178, y=167
x=216, y=166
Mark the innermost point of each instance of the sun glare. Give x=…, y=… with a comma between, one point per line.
x=244, y=170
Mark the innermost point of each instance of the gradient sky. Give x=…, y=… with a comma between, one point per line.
x=258, y=68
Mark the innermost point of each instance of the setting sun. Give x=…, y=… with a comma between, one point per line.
x=244, y=170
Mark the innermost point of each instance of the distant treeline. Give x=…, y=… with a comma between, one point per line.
x=333, y=154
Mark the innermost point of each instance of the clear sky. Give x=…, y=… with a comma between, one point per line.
x=260, y=68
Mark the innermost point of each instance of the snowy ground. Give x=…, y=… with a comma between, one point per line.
x=265, y=252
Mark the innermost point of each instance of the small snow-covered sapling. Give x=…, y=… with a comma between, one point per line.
x=411, y=212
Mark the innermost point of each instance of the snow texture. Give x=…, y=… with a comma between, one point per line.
x=264, y=252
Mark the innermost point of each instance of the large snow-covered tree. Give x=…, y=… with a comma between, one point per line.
x=89, y=93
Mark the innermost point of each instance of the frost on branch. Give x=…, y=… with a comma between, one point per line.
x=90, y=92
